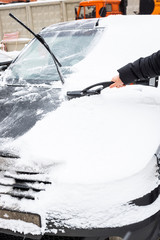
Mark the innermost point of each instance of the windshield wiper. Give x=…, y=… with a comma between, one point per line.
x=91, y=90
x=43, y=42
x=6, y=154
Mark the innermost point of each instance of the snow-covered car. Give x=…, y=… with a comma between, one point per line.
x=6, y=58
x=5, y=61
x=80, y=168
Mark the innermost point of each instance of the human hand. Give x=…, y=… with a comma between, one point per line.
x=117, y=82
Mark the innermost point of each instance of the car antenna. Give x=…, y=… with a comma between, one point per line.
x=102, y=14
x=97, y=23
x=43, y=42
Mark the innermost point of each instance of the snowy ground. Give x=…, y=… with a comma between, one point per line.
x=102, y=145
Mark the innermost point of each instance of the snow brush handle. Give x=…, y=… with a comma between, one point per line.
x=89, y=90
x=101, y=84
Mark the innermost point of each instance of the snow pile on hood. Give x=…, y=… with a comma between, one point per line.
x=97, y=139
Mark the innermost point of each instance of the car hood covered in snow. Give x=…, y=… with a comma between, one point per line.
x=97, y=151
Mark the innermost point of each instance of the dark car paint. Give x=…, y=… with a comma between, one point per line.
x=19, y=106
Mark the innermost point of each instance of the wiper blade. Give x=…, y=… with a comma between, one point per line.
x=6, y=154
x=89, y=90
x=16, y=85
x=43, y=42
x=29, y=85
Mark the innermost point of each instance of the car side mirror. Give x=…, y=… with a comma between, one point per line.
x=75, y=13
x=102, y=12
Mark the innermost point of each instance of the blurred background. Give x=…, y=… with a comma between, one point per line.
x=38, y=14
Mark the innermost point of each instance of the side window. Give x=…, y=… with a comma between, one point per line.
x=90, y=11
x=109, y=7
x=81, y=13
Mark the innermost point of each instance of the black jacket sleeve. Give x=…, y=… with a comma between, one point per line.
x=141, y=69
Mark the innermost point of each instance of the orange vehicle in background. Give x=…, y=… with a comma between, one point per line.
x=15, y=1
x=149, y=7
x=104, y=8
x=100, y=8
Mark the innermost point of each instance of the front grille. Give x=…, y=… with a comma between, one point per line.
x=21, y=184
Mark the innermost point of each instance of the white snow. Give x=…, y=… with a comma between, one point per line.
x=7, y=56
x=98, y=150
x=20, y=226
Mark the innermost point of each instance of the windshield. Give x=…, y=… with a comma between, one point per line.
x=35, y=64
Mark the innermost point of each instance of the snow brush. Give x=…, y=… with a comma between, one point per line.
x=98, y=87
x=91, y=90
